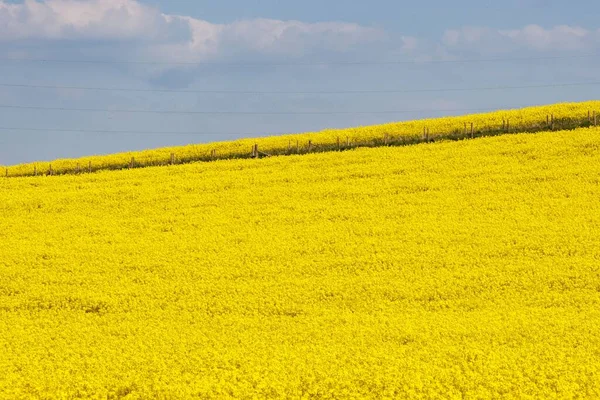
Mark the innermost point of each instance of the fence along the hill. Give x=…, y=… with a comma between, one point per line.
x=469, y=131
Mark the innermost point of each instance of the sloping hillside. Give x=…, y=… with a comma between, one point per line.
x=455, y=269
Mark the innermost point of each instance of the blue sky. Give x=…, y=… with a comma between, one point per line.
x=271, y=46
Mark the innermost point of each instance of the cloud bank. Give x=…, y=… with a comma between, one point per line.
x=146, y=32
x=180, y=38
x=128, y=30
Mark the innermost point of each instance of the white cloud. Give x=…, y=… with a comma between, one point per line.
x=73, y=19
x=181, y=38
x=530, y=37
x=409, y=43
x=562, y=37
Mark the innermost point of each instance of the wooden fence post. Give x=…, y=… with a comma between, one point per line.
x=172, y=159
x=90, y=167
x=297, y=147
x=385, y=139
x=547, y=120
x=508, y=125
x=50, y=172
x=347, y=141
x=472, y=131
x=131, y=163
x=309, y=146
x=213, y=154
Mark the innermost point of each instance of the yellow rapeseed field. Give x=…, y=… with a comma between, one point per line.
x=532, y=119
x=467, y=269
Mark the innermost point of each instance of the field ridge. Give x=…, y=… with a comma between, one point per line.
x=563, y=116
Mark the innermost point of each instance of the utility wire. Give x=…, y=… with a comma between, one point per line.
x=133, y=111
x=137, y=132
x=251, y=92
x=297, y=63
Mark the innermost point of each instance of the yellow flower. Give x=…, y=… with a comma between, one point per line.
x=463, y=269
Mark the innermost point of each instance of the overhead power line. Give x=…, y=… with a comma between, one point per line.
x=295, y=63
x=190, y=112
x=251, y=92
x=136, y=132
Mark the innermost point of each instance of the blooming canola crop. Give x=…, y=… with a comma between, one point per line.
x=465, y=269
